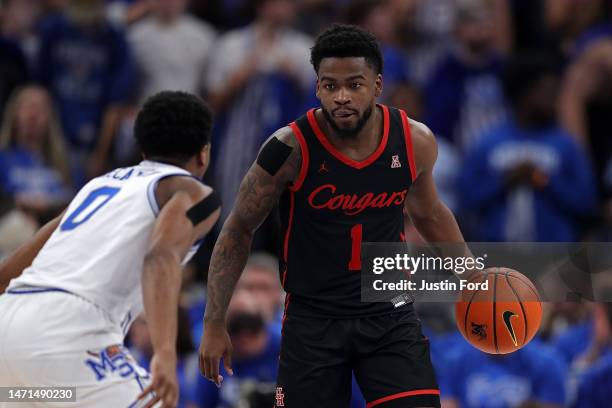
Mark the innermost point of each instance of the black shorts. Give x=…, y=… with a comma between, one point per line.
x=388, y=354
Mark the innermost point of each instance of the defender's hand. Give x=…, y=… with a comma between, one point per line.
x=215, y=344
x=164, y=383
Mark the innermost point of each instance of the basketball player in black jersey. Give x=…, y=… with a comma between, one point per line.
x=341, y=174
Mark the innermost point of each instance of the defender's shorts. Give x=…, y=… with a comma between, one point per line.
x=388, y=353
x=50, y=338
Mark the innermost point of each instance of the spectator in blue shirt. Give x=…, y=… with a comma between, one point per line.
x=527, y=180
x=464, y=96
x=86, y=64
x=533, y=374
x=32, y=155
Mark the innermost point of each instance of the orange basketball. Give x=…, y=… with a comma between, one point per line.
x=502, y=317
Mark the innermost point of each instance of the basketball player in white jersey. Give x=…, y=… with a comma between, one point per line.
x=116, y=250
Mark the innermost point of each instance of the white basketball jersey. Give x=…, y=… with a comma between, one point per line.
x=97, y=252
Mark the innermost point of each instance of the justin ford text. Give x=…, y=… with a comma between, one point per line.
x=413, y=264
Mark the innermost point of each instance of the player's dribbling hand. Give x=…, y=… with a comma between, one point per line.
x=164, y=383
x=215, y=344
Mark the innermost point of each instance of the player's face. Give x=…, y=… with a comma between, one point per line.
x=347, y=89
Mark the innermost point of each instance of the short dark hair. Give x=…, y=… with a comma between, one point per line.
x=524, y=70
x=340, y=41
x=173, y=124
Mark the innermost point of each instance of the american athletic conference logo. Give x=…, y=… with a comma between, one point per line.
x=395, y=162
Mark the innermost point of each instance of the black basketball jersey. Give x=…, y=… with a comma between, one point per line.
x=335, y=204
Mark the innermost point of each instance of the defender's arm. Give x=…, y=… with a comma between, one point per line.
x=173, y=235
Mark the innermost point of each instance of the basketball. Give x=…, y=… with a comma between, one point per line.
x=504, y=317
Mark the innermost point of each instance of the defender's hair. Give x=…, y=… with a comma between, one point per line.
x=173, y=124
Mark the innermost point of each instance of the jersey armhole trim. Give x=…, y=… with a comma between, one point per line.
x=153, y=185
x=409, y=147
x=305, y=157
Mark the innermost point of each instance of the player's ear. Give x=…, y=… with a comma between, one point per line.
x=378, y=85
x=204, y=157
x=318, y=89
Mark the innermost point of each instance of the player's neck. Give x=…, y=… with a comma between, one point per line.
x=364, y=143
x=171, y=162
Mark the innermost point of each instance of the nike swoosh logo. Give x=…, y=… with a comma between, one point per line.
x=507, y=316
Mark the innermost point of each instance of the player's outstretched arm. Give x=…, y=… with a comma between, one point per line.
x=174, y=233
x=23, y=257
x=277, y=166
x=431, y=217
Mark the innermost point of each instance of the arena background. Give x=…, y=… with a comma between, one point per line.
x=518, y=93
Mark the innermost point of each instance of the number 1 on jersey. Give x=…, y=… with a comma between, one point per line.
x=356, y=236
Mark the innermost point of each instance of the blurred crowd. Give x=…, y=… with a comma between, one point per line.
x=518, y=93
